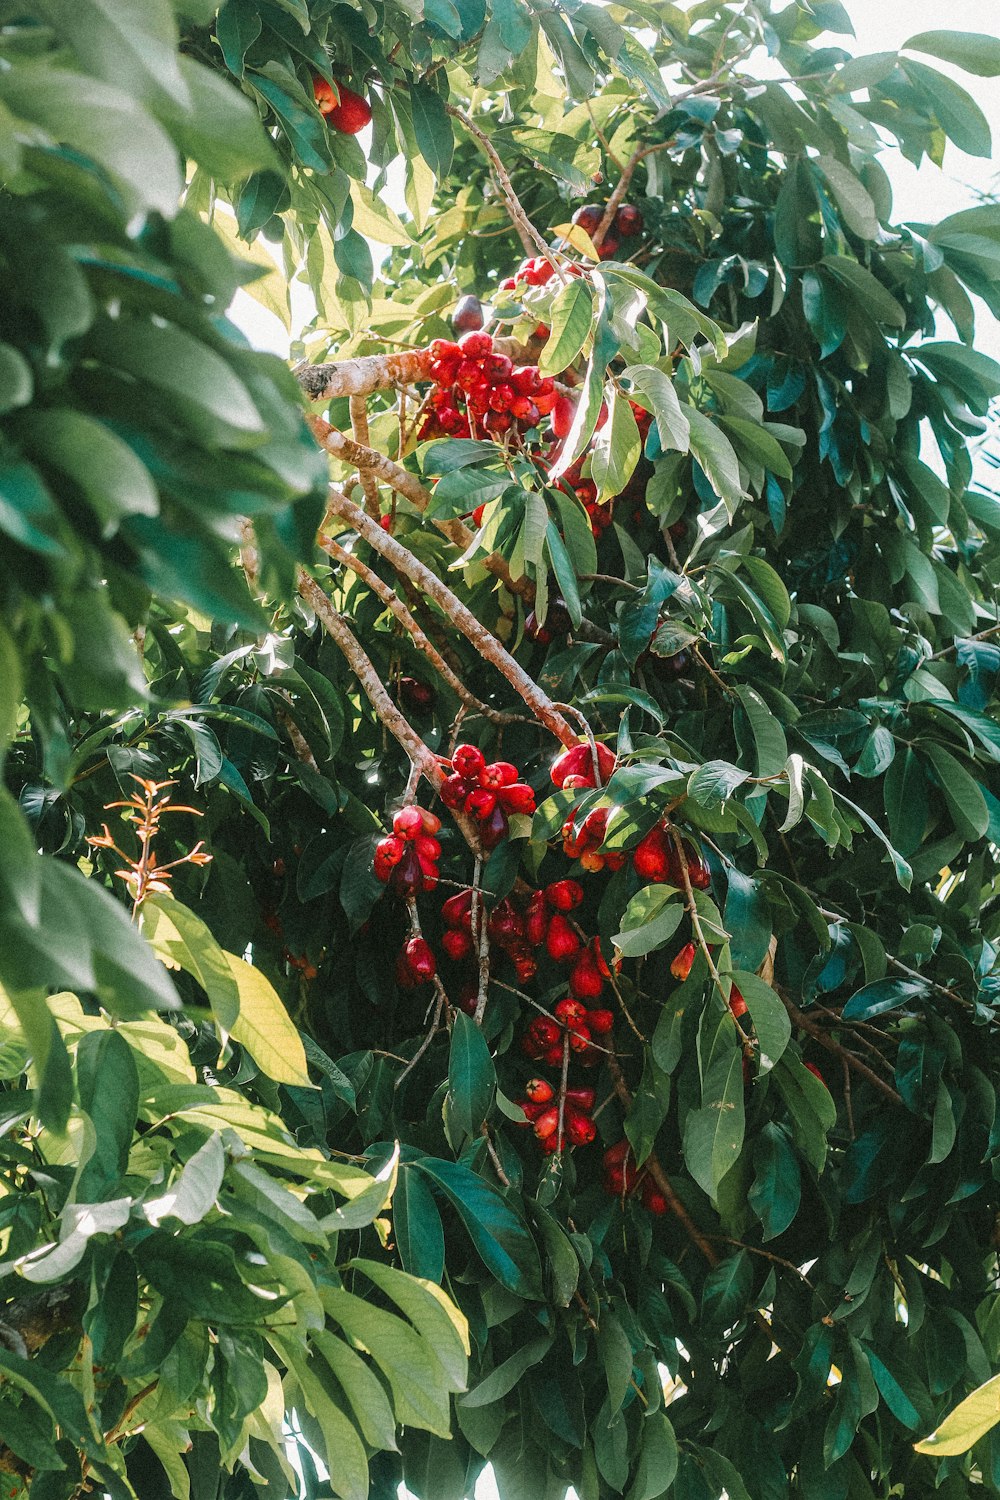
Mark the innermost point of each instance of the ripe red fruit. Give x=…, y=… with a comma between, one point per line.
x=349, y=115
x=570, y=1011
x=601, y=1021
x=629, y=220
x=497, y=774
x=547, y=1123
x=506, y=924
x=585, y=979
x=536, y=923
x=578, y=760
x=454, y=790
x=540, y=1091
x=468, y=315
x=561, y=942
x=498, y=368
x=652, y=1198
x=564, y=895
x=407, y=878
x=431, y=821
x=416, y=694
x=420, y=958
x=468, y=761
x=817, y=1074
x=531, y=1111
x=427, y=847
x=457, y=910
x=737, y=1004
x=408, y=822
x=563, y=412
x=389, y=851
x=386, y=523
x=680, y=968
x=518, y=798
x=651, y=856
x=457, y=943
x=494, y=829
x=588, y=217
x=698, y=871
x=536, y=632
x=525, y=968
x=580, y=1129
x=579, y=1038
x=608, y=247
x=480, y=803
x=545, y=1030
x=475, y=345
x=583, y=1099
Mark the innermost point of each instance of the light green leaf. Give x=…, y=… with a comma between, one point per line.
x=571, y=318
x=966, y=1424
x=974, y=51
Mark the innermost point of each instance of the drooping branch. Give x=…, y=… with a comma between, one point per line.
x=529, y=236
x=399, y=612
x=483, y=639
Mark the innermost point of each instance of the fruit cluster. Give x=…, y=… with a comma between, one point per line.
x=506, y=928
x=478, y=389
x=486, y=792
x=541, y=1110
x=406, y=860
x=622, y=1177
x=627, y=223
x=583, y=766
x=656, y=858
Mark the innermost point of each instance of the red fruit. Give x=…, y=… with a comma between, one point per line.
x=600, y=1021
x=536, y=632
x=456, y=943
x=588, y=217
x=585, y=979
x=564, y=895
x=580, y=1130
x=698, y=871
x=817, y=1074
x=427, y=847
x=431, y=821
x=386, y=523
x=408, y=822
x=651, y=856
x=446, y=349
x=405, y=977
x=468, y=761
x=468, y=315
x=476, y=345
x=583, y=1099
x=629, y=220
x=498, y=421
x=324, y=95
x=609, y=247
x=552, y=1056
x=536, y=923
x=480, y=803
x=525, y=968
x=350, y=115
x=508, y=284
x=602, y=966
x=407, y=878
x=540, y=1091
x=563, y=412
x=579, y=1038
x=614, y=1181
x=570, y=1012
x=531, y=1111
x=506, y=924
x=494, y=829
x=545, y=1031
x=561, y=942
x=420, y=958
x=390, y=850
x=498, y=367
x=416, y=694
x=615, y=1155
x=680, y=968
x=547, y=1123
x=454, y=791
x=497, y=774
x=518, y=798
x=737, y=1004
x=652, y=1198
x=457, y=910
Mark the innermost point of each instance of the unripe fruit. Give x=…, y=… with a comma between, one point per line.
x=468, y=761
x=349, y=115
x=540, y=1091
x=600, y=1021
x=564, y=895
x=468, y=315
x=561, y=942
x=420, y=958
x=680, y=968
x=588, y=217
x=407, y=822
x=737, y=1004
x=457, y=943
x=629, y=220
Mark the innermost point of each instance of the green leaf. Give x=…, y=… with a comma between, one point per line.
x=777, y=1187
x=616, y=448
x=713, y=1133
x=770, y=1018
x=432, y=1313
x=810, y=1106
x=108, y=1086
x=727, y=1290
x=864, y=289
x=655, y=391
x=505, y=1377
x=112, y=479
x=715, y=454
x=657, y=1464
x=499, y=1235
x=432, y=128
x=853, y=199
x=650, y=920
x=970, y=1420
x=264, y=1027
x=417, y=1226
x=195, y=1189
x=961, y=792
x=570, y=320
x=715, y=782
x=974, y=51
x=885, y=995
x=961, y=118
x=472, y=1076
x=768, y=735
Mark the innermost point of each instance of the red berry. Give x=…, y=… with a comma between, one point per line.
x=609, y=247
x=506, y=924
x=580, y=1130
x=408, y=822
x=629, y=220
x=525, y=380
x=578, y=760
x=468, y=761
x=476, y=345
x=570, y=1012
x=454, y=791
x=600, y=1021
x=497, y=774
x=498, y=367
x=552, y=1056
x=350, y=115
x=698, y=871
x=561, y=942
x=579, y=1038
x=588, y=217
x=585, y=979
x=536, y=920
x=539, y=1090
x=494, y=829
x=407, y=878
x=536, y=632
x=386, y=523
x=420, y=958
x=427, y=847
x=390, y=850
x=737, y=1004
x=468, y=315
x=518, y=798
x=583, y=1099
x=457, y=943
x=564, y=895
x=457, y=910
x=531, y=1111
x=480, y=803
x=547, y=1123
x=525, y=968
x=680, y=967
x=651, y=856
x=652, y=1198
x=563, y=412
x=816, y=1074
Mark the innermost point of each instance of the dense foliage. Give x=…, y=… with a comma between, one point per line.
x=633, y=1127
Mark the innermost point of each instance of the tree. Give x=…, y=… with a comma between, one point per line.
x=498, y=955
